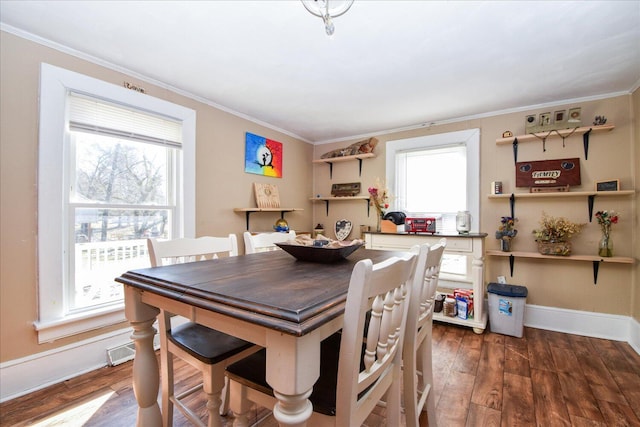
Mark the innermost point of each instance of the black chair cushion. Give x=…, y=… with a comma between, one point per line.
x=250, y=372
x=205, y=344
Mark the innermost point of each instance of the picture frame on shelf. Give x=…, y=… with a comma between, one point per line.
x=545, y=120
x=560, y=118
x=610, y=185
x=575, y=116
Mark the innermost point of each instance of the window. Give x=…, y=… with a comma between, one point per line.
x=436, y=175
x=115, y=167
x=122, y=190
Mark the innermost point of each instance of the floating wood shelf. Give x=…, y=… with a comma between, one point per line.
x=564, y=194
x=562, y=132
x=596, y=260
x=590, y=195
x=585, y=131
x=326, y=200
x=359, y=157
x=520, y=254
x=249, y=211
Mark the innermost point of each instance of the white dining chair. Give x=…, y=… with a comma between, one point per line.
x=262, y=242
x=356, y=371
x=205, y=349
x=417, y=365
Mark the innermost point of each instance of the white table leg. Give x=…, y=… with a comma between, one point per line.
x=293, y=367
x=146, y=377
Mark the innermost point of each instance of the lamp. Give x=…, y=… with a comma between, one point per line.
x=322, y=9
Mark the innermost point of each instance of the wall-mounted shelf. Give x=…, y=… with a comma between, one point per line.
x=596, y=260
x=326, y=200
x=359, y=157
x=249, y=211
x=590, y=195
x=585, y=131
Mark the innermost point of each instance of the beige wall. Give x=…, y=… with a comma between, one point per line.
x=222, y=183
x=554, y=283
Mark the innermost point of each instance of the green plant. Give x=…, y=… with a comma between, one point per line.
x=558, y=229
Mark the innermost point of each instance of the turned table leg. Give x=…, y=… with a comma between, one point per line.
x=146, y=378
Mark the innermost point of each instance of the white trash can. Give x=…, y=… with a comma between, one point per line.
x=506, y=308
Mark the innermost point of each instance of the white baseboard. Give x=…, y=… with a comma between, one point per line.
x=634, y=335
x=25, y=375
x=587, y=323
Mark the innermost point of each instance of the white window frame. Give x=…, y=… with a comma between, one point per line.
x=55, y=83
x=471, y=140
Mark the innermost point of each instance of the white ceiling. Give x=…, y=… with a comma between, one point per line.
x=390, y=64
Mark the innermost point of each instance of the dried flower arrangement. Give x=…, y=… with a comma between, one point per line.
x=558, y=229
x=554, y=234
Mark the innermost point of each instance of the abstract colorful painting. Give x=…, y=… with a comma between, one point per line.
x=263, y=156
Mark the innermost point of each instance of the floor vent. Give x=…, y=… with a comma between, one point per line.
x=124, y=353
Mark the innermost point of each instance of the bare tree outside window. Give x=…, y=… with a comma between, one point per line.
x=120, y=196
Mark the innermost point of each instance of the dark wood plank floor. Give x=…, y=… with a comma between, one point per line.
x=543, y=379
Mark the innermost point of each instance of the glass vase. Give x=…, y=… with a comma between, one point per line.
x=605, y=247
x=505, y=244
x=378, y=227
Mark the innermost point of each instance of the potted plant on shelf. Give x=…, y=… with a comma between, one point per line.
x=506, y=232
x=605, y=219
x=554, y=235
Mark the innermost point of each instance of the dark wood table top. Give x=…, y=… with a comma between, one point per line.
x=271, y=289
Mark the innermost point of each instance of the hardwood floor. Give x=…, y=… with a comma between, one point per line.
x=544, y=379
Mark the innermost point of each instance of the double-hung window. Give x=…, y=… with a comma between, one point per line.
x=436, y=175
x=114, y=169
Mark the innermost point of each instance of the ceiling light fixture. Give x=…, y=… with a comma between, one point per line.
x=322, y=9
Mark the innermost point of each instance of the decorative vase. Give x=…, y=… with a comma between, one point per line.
x=605, y=247
x=505, y=244
x=546, y=247
x=378, y=219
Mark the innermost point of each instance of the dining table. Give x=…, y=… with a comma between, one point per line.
x=270, y=298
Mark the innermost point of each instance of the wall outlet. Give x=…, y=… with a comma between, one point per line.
x=502, y=280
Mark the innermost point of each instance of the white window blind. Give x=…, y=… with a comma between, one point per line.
x=105, y=118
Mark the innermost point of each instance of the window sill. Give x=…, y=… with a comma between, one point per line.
x=52, y=330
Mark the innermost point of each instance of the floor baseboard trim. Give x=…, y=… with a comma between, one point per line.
x=634, y=335
x=31, y=373
x=587, y=323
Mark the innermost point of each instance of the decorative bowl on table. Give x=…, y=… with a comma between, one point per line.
x=322, y=254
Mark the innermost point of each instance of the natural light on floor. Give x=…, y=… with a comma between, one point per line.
x=78, y=415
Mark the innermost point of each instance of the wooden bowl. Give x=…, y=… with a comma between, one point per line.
x=320, y=254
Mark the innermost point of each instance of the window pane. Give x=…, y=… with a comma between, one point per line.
x=119, y=171
x=436, y=180
x=109, y=242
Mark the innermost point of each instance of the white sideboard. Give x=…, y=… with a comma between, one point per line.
x=462, y=266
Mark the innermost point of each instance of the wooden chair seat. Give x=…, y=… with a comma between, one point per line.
x=205, y=344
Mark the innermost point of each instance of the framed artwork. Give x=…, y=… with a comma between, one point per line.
x=262, y=156
x=575, y=116
x=267, y=195
x=560, y=118
x=548, y=173
x=611, y=185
